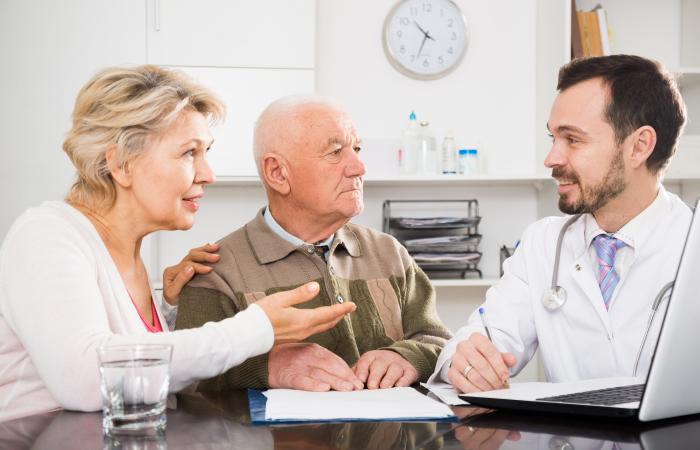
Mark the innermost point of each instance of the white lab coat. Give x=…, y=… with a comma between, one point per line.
x=580, y=340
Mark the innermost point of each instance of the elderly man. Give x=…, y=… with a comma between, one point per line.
x=306, y=150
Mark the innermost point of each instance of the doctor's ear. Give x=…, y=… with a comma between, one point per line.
x=276, y=173
x=122, y=174
x=643, y=143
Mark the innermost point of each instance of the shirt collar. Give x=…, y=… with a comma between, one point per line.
x=643, y=221
x=281, y=232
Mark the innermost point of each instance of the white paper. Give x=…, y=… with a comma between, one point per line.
x=450, y=396
x=374, y=404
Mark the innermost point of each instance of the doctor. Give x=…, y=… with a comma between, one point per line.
x=614, y=125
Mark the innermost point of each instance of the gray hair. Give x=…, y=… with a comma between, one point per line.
x=264, y=138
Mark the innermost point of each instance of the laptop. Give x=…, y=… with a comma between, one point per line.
x=670, y=390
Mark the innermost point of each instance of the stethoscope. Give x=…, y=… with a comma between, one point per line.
x=554, y=297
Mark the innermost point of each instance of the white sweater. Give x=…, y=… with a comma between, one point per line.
x=61, y=297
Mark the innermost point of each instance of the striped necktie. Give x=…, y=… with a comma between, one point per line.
x=606, y=247
x=321, y=251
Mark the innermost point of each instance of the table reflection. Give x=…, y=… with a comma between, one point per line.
x=220, y=421
x=223, y=421
x=508, y=431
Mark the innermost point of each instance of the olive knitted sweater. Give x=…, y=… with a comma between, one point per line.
x=395, y=300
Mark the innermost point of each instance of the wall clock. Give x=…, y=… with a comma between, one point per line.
x=425, y=39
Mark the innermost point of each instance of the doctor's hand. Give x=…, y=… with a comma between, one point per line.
x=309, y=367
x=176, y=277
x=385, y=369
x=489, y=366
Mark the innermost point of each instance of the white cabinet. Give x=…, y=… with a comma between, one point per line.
x=246, y=92
x=232, y=33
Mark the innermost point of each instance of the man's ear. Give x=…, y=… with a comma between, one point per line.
x=121, y=175
x=276, y=173
x=643, y=143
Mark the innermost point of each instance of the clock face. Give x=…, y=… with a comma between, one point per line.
x=425, y=39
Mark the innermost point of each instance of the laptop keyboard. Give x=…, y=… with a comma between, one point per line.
x=611, y=396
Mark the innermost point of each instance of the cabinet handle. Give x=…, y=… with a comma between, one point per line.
x=157, y=15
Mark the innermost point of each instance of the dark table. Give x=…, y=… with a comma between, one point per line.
x=222, y=421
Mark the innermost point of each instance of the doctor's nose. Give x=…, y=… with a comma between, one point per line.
x=555, y=158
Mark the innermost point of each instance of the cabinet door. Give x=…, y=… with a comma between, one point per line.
x=247, y=92
x=232, y=33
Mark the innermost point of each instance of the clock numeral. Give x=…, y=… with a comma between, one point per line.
x=440, y=60
x=403, y=21
x=399, y=33
x=413, y=57
x=403, y=49
x=414, y=11
x=427, y=7
x=450, y=22
x=449, y=50
x=425, y=63
x=454, y=36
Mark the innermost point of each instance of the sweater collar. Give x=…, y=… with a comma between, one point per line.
x=268, y=246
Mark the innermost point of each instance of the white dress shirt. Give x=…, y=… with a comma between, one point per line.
x=624, y=256
x=281, y=232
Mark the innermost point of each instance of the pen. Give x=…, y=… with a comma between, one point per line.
x=485, y=321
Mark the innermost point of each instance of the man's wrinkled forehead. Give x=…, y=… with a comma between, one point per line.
x=327, y=126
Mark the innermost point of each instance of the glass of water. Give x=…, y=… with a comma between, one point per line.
x=134, y=381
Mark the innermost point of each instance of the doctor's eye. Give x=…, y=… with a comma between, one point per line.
x=571, y=140
x=357, y=149
x=551, y=137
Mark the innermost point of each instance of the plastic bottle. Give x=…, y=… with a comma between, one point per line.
x=472, y=162
x=409, y=147
x=463, y=155
x=427, y=153
x=449, y=154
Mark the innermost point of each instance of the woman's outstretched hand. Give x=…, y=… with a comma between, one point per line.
x=175, y=277
x=293, y=324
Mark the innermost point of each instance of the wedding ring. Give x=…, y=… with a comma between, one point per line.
x=473, y=430
x=466, y=371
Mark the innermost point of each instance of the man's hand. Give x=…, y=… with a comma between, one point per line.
x=175, y=277
x=309, y=367
x=385, y=369
x=489, y=366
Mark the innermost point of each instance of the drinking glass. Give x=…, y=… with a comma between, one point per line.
x=134, y=382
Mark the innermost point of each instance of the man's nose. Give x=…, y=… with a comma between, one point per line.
x=555, y=157
x=355, y=167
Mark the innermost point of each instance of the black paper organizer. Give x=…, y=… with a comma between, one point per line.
x=463, y=227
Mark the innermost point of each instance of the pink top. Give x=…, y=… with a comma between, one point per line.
x=156, y=327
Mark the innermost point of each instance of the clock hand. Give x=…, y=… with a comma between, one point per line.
x=421, y=46
x=421, y=30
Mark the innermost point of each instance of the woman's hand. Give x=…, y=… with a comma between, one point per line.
x=175, y=277
x=293, y=324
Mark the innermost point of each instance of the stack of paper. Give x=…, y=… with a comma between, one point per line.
x=402, y=403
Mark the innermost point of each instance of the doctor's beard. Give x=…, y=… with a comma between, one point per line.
x=593, y=197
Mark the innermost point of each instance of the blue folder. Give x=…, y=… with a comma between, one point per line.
x=258, y=402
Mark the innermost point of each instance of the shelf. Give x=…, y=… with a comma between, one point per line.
x=536, y=180
x=474, y=282
x=408, y=180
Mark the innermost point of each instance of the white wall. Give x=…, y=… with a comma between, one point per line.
x=48, y=51
x=489, y=97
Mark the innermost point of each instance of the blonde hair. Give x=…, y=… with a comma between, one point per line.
x=129, y=110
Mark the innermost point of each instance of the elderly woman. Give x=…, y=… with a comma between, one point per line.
x=71, y=278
